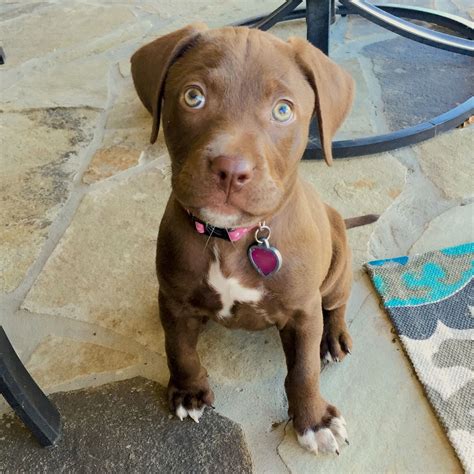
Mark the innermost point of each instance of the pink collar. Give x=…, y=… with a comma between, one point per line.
x=232, y=235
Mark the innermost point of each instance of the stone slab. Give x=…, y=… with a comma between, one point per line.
x=23, y=38
x=126, y=140
x=126, y=427
x=463, y=8
x=103, y=270
x=119, y=151
x=240, y=357
x=447, y=161
x=41, y=151
x=362, y=119
x=58, y=360
x=12, y=10
x=418, y=82
x=358, y=29
x=81, y=83
x=453, y=227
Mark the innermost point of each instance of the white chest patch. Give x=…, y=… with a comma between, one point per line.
x=230, y=290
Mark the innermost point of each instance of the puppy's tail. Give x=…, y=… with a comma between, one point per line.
x=360, y=220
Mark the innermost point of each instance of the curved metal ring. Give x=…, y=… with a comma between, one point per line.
x=262, y=227
x=446, y=20
x=410, y=30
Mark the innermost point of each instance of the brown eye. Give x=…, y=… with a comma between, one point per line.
x=194, y=98
x=282, y=112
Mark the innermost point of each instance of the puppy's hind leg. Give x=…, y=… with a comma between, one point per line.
x=336, y=341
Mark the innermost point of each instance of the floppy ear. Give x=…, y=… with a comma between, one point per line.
x=333, y=88
x=150, y=65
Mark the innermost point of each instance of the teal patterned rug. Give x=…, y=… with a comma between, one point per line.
x=430, y=300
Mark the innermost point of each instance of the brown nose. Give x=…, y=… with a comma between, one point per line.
x=232, y=172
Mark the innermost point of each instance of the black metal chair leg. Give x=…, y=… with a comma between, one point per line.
x=25, y=397
x=318, y=13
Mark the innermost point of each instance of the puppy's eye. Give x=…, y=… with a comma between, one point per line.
x=282, y=112
x=194, y=98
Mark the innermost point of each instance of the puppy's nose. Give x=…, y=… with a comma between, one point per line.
x=232, y=172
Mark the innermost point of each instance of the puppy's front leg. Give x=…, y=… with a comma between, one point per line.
x=188, y=388
x=319, y=425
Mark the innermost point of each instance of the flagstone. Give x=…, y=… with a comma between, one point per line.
x=23, y=38
x=126, y=137
x=362, y=120
x=41, y=152
x=103, y=270
x=453, y=227
x=240, y=357
x=59, y=360
x=447, y=161
x=13, y=10
x=120, y=150
x=86, y=81
x=417, y=82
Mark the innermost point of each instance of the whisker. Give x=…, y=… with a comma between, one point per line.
x=209, y=238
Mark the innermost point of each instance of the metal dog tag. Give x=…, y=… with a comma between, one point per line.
x=265, y=259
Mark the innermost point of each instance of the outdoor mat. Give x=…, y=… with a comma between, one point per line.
x=430, y=299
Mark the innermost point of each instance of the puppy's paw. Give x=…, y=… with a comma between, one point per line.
x=193, y=413
x=326, y=438
x=184, y=403
x=336, y=343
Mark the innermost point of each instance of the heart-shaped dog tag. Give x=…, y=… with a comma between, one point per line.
x=264, y=258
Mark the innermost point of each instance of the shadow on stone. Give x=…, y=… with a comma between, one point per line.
x=419, y=82
x=126, y=427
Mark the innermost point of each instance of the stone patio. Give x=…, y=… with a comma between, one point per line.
x=83, y=192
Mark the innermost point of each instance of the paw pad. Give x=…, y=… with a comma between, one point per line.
x=325, y=440
x=193, y=413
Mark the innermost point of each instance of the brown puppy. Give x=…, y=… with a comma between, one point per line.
x=237, y=105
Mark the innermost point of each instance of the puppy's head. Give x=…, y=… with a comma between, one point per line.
x=236, y=104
